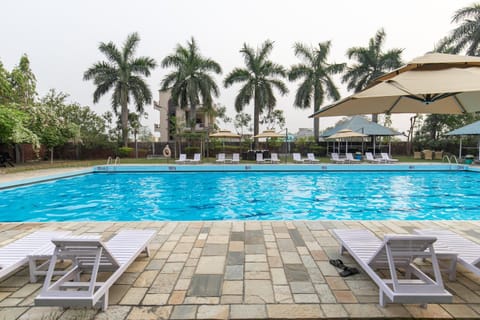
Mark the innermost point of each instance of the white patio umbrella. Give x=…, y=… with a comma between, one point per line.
x=345, y=135
x=435, y=83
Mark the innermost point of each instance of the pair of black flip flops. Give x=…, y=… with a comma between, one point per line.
x=347, y=271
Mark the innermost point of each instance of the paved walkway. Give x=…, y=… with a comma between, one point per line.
x=239, y=270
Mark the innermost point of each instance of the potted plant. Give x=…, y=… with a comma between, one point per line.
x=469, y=159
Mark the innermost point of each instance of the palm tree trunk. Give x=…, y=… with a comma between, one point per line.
x=124, y=116
x=316, y=121
x=193, y=116
x=256, y=120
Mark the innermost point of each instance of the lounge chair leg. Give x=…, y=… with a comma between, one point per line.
x=382, y=299
x=424, y=306
x=105, y=301
x=32, y=266
x=147, y=251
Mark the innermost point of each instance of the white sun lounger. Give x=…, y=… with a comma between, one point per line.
x=274, y=158
x=15, y=254
x=311, y=158
x=387, y=158
x=182, y=158
x=394, y=252
x=236, y=158
x=350, y=159
x=221, y=158
x=370, y=158
x=259, y=158
x=91, y=256
x=468, y=252
x=297, y=158
x=335, y=158
x=197, y=158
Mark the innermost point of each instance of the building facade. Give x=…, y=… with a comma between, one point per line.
x=173, y=119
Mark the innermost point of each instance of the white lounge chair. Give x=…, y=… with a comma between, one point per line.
x=393, y=253
x=182, y=158
x=91, y=256
x=311, y=158
x=259, y=158
x=468, y=252
x=274, y=158
x=221, y=158
x=236, y=158
x=335, y=158
x=387, y=158
x=370, y=158
x=350, y=159
x=197, y=158
x=297, y=158
x=15, y=254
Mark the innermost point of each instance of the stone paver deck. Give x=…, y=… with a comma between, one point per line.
x=240, y=270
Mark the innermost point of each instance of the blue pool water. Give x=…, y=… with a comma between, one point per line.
x=247, y=196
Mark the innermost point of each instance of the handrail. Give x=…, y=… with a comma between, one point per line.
x=117, y=160
x=448, y=159
x=454, y=157
x=109, y=160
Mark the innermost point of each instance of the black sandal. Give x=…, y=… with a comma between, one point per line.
x=349, y=271
x=338, y=263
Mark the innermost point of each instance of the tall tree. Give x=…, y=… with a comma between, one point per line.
x=371, y=62
x=315, y=72
x=191, y=82
x=259, y=77
x=122, y=72
x=23, y=83
x=466, y=36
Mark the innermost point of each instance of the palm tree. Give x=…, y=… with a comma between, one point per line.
x=316, y=74
x=466, y=35
x=191, y=82
x=259, y=77
x=123, y=72
x=372, y=62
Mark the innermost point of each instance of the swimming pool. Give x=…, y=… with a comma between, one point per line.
x=184, y=196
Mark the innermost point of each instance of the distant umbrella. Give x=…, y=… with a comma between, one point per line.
x=269, y=134
x=346, y=134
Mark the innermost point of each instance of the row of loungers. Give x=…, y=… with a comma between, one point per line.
x=384, y=158
x=89, y=255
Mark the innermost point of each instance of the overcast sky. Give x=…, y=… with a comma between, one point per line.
x=61, y=37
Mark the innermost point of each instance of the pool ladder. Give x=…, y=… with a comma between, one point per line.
x=450, y=158
x=110, y=161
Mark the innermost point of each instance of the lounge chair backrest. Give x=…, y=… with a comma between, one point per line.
x=196, y=157
x=297, y=157
x=335, y=156
x=236, y=157
x=259, y=156
x=84, y=252
x=369, y=156
x=221, y=156
x=400, y=248
x=182, y=157
x=310, y=156
x=274, y=157
x=385, y=156
x=349, y=156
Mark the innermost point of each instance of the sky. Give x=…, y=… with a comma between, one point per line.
x=61, y=38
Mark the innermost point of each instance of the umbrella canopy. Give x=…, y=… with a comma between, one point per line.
x=434, y=83
x=472, y=129
x=345, y=134
x=360, y=124
x=269, y=134
x=224, y=134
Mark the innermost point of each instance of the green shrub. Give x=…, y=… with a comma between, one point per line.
x=124, y=152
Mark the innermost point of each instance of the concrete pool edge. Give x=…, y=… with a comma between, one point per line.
x=45, y=178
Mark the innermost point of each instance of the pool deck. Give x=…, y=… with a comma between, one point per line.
x=240, y=270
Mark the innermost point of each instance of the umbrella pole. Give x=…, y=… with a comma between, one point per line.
x=460, y=150
x=346, y=146
x=373, y=137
